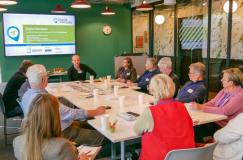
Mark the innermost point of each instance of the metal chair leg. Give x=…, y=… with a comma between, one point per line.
x=5, y=129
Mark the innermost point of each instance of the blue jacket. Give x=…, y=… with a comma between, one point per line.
x=143, y=80
x=192, y=91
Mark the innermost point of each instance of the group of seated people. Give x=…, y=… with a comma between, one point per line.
x=165, y=125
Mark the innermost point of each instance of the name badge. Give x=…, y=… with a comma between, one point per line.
x=189, y=90
x=147, y=79
x=80, y=71
x=128, y=74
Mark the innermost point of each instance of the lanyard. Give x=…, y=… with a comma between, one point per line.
x=221, y=102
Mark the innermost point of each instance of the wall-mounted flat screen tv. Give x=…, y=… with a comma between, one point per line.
x=38, y=34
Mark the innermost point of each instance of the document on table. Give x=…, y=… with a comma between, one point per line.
x=89, y=150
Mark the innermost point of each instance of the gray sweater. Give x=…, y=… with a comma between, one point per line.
x=53, y=149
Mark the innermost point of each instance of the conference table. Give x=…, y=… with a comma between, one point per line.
x=80, y=94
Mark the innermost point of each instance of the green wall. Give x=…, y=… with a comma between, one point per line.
x=94, y=48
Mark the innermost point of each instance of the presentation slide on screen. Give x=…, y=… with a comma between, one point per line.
x=36, y=34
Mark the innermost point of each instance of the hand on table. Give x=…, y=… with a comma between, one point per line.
x=100, y=110
x=83, y=156
x=196, y=106
x=130, y=83
x=120, y=80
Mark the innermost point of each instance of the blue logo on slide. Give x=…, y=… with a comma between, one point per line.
x=13, y=33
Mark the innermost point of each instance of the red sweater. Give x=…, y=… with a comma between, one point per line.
x=173, y=129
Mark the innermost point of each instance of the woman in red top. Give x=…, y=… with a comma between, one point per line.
x=166, y=125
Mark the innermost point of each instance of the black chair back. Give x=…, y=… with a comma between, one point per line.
x=2, y=106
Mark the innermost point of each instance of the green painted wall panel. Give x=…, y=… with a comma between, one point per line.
x=94, y=48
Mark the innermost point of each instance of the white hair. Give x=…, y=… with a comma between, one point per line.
x=35, y=73
x=161, y=87
x=199, y=68
x=166, y=61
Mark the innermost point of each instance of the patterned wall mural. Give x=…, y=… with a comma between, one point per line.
x=163, y=37
x=140, y=32
x=163, y=33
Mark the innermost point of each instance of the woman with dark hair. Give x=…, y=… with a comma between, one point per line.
x=41, y=138
x=126, y=72
x=11, y=91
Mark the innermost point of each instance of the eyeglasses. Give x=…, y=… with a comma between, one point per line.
x=190, y=73
x=224, y=80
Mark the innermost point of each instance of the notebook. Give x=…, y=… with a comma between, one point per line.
x=91, y=151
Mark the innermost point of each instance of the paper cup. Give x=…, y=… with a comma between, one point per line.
x=121, y=102
x=116, y=88
x=91, y=79
x=106, y=85
x=104, y=121
x=59, y=88
x=140, y=99
x=95, y=93
x=108, y=77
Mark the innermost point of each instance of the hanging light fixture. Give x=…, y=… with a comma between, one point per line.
x=169, y=2
x=159, y=19
x=8, y=2
x=108, y=11
x=144, y=6
x=234, y=7
x=80, y=4
x=58, y=9
x=2, y=8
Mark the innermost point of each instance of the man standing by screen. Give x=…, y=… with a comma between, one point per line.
x=78, y=71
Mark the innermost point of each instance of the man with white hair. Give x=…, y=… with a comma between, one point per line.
x=38, y=79
x=165, y=67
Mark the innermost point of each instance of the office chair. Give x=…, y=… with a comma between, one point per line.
x=6, y=116
x=199, y=153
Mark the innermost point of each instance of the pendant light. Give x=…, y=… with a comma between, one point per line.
x=80, y=4
x=107, y=11
x=8, y=2
x=58, y=9
x=169, y=2
x=159, y=19
x=144, y=6
x=2, y=8
x=234, y=6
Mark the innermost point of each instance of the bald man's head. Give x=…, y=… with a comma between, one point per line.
x=76, y=61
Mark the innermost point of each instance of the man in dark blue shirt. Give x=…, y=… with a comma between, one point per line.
x=194, y=90
x=151, y=70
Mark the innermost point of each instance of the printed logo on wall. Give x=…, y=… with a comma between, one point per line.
x=191, y=33
x=13, y=33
